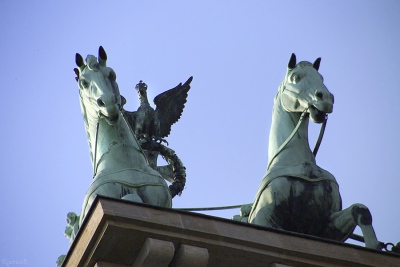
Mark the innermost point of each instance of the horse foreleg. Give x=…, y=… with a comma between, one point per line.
x=342, y=224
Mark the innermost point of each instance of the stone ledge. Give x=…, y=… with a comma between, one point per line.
x=115, y=232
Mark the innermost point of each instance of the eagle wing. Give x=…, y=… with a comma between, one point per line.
x=170, y=105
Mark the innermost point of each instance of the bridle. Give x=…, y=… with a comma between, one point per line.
x=302, y=116
x=317, y=145
x=97, y=135
x=95, y=143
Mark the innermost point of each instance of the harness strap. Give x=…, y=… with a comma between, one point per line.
x=288, y=139
x=213, y=208
x=134, y=136
x=96, y=141
x=95, y=145
x=317, y=145
x=321, y=135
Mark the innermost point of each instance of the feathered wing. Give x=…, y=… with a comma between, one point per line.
x=170, y=105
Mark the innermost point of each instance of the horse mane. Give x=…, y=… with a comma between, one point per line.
x=86, y=122
x=303, y=64
x=92, y=64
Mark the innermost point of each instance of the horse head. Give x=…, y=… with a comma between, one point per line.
x=303, y=90
x=98, y=88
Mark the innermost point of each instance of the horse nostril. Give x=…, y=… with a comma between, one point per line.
x=319, y=95
x=100, y=103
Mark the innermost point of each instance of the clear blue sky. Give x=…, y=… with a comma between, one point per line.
x=237, y=53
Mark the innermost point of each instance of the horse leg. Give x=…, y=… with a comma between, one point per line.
x=342, y=224
x=157, y=195
x=271, y=203
x=131, y=194
x=133, y=198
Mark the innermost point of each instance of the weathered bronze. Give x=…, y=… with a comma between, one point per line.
x=151, y=126
x=120, y=167
x=296, y=194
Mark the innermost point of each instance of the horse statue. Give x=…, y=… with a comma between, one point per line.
x=120, y=167
x=296, y=194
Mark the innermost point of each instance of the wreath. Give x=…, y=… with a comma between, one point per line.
x=173, y=160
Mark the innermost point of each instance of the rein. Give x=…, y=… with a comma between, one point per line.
x=321, y=135
x=317, y=145
x=95, y=144
x=96, y=140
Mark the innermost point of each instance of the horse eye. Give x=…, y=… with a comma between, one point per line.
x=295, y=78
x=84, y=84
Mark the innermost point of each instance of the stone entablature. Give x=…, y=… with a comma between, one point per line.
x=119, y=233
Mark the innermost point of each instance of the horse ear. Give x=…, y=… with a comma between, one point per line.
x=102, y=56
x=316, y=63
x=79, y=61
x=123, y=101
x=292, y=62
x=77, y=74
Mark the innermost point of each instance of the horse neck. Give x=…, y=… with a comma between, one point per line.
x=114, y=147
x=282, y=126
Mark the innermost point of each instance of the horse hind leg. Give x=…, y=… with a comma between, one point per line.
x=157, y=195
x=342, y=224
x=133, y=198
x=149, y=194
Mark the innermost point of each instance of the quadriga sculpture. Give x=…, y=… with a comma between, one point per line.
x=120, y=167
x=295, y=193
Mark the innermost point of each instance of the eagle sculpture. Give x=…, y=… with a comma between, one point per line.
x=154, y=125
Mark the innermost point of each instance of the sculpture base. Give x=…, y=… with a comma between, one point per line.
x=119, y=233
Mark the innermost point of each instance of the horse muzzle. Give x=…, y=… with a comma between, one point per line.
x=319, y=108
x=111, y=117
x=109, y=109
x=317, y=115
